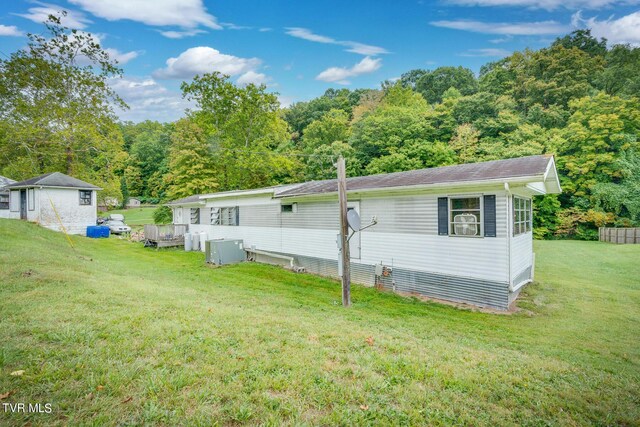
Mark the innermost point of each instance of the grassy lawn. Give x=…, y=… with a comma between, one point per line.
x=112, y=333
x=134, y=216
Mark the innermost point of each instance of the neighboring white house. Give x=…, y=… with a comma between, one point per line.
x=459, y=233
x=53, y=200
x=133, y=203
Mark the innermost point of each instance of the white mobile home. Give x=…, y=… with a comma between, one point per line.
x=460, y=233
x=53, y=200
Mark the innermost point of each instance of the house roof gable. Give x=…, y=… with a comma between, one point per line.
x=53, y=179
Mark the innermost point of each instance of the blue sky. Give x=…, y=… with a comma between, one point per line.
x=301, y=48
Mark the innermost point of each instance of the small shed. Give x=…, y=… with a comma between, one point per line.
x=133, y=203
x=55, y=201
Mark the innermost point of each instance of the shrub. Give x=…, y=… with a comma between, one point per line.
x=162, y=215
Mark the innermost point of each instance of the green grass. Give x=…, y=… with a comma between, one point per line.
x=134, y=216
x=112, y=333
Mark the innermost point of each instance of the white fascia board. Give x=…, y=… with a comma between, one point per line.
x=551, y=167
x=442, y=187
x=22, y=187
x=236, y=194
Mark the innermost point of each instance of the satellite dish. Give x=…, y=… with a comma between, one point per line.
x=353, y=219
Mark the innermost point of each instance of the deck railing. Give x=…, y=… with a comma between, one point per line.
x=165, y=235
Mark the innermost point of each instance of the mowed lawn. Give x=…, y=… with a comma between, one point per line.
x=112, y=333
x=134, y=216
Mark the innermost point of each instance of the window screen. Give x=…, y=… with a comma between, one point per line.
x=85, y=197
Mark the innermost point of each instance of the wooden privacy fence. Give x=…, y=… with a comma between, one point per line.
x=619, y=235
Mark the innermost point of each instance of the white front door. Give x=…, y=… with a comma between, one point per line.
x=354, y=243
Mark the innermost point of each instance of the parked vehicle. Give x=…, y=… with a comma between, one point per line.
x=116, y=224
x=118, y=227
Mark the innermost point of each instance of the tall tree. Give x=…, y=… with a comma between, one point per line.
x=57, y=110
x=190, y=162
x=433, y=85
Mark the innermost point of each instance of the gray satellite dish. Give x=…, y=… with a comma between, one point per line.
x=353, y=219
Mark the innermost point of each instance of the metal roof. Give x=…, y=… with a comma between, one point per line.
x=470, y=172
x=53, y=179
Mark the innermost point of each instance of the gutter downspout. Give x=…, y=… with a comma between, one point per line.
x=509, y=225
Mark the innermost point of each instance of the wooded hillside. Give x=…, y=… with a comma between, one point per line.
x=576, y=99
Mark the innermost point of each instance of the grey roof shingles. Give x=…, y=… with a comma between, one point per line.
x=4, y=181
x=191, y=199
x=53, y=179
x=491, y=170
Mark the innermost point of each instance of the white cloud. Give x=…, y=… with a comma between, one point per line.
x=341, y=75
x=183, y=13
x=488, y=52
x=181, y=34
x=232, y=26
x=355, y=47
x=265, y=29
x=546, y=4
x=6, y=30
x=252, y=77
x=122, y=57
x=40, y=14
x=617, y=31
x=303, y=33
x=148, y=99
x=285, y=101
x=364, y=49
x=505, y=28
x=203, y=59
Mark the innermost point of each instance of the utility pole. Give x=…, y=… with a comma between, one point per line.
x=344, y=234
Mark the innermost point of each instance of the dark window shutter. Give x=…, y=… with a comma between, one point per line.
x=237, y=215
x=490, y=216
x=443, y=216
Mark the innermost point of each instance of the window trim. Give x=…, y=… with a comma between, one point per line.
x=528, y=215
x=90, y=197
x=197, y=213
x=480, y=210
x=293, y=207
x=8, y=196
x=31, y=199
x=226, y=216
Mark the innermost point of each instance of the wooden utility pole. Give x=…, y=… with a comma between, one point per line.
x=344, y=234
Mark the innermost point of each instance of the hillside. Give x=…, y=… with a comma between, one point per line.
x=110, y=332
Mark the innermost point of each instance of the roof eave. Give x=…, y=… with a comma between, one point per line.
x=21, y=187
x=239, y=193
x=410, y=188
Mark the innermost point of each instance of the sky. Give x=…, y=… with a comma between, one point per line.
x=301, y=48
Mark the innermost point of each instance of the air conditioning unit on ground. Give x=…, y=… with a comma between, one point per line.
x=223, y=251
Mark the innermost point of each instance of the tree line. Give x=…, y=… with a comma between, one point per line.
x=577, y=99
